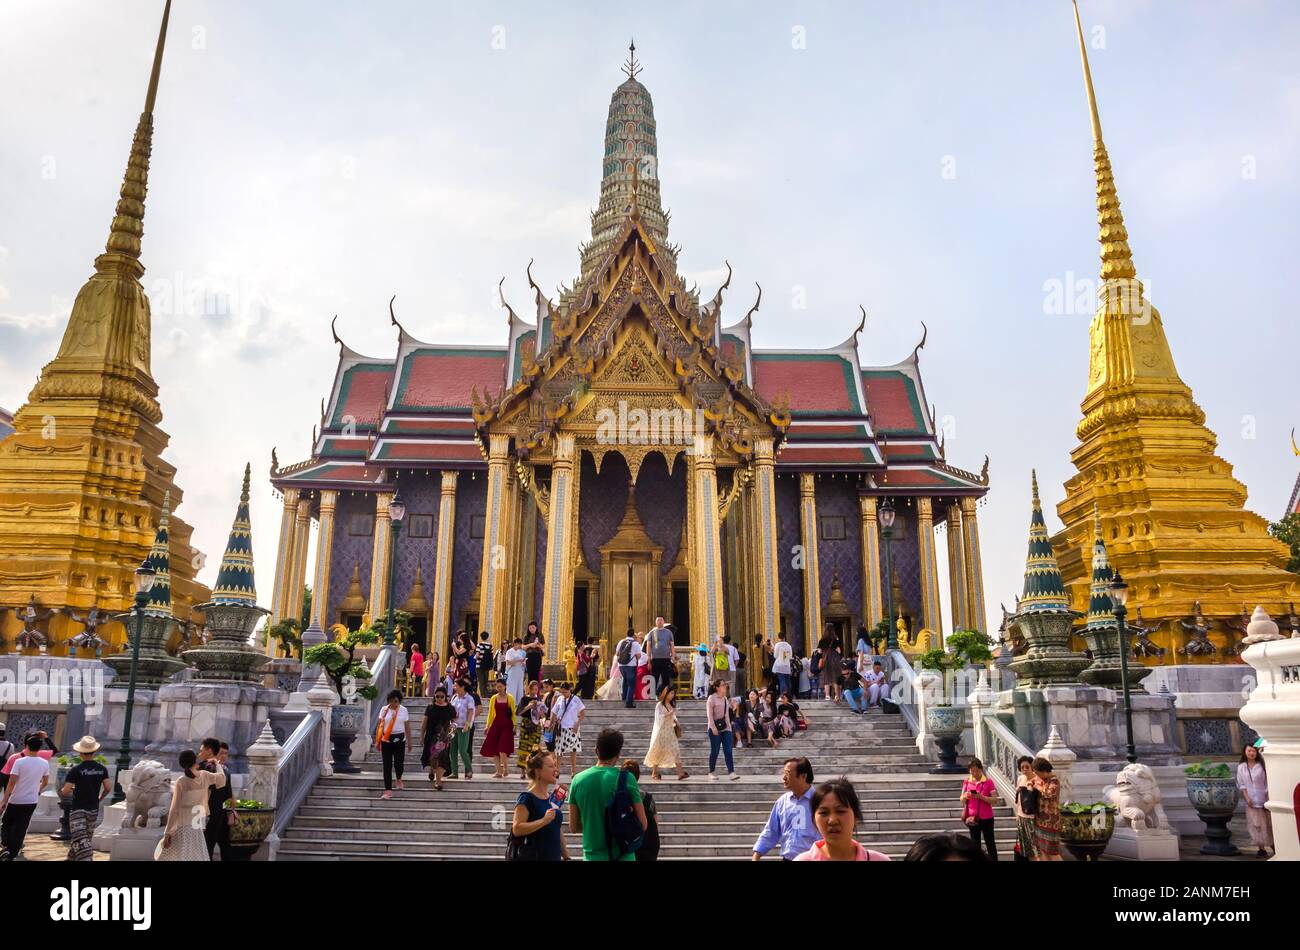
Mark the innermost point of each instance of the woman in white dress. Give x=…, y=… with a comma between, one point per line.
x=665, y=749
x=613, y=687
x=700, y=671
x=516, y=662
x=188, y=815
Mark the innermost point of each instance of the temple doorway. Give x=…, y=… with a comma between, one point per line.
x=681, y=614
x=581, y=623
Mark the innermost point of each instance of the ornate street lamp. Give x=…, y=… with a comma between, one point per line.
x=396, y=512
x=1118, y=598
x=144, y=578
x=886, y=515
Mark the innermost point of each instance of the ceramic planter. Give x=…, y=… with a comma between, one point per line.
x=250, y=828
x=1215, y=801
x=1087, y=835
x=345, y=722
x=946, y=723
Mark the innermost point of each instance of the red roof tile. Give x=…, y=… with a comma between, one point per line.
x=816, y=383
x=442, y=379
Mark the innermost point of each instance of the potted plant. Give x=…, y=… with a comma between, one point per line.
x=943, y=720
x=1086, y=828
x=349, y=677
x=252, y=823
x=288, y=633
x=1212, y=790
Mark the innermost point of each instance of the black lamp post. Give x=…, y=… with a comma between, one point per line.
x=1118, y=598
x=887, y=531
x=144, y=578
x=396, y=512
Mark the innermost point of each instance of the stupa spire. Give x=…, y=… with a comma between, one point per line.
x=631, y=67
x=1044, y=590
x=1116, y=257
x=1101, y=612
x=128, y=223
x=235, y=576
x=160, y=595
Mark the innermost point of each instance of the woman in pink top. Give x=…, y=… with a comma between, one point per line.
x=718, y=711
x=836, y=813
x=978, y=793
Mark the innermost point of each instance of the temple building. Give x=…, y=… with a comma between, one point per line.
x=82, y=478
x=626, y=454
x=1172, y=516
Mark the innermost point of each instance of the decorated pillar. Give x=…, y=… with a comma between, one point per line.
x=494, y=574
x=764, y=510
x=320, y=584
x=298, y=574
x=974, y=570
x=930, y=616
x=812, y=587
x=284, y=556
x=957, y=570
x=872, y=599
x=379, y=559
x=557, y=596
x=440, y=627
x=704, y=477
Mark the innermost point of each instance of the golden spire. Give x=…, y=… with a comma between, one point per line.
x=1116, y=258
x=128, y=222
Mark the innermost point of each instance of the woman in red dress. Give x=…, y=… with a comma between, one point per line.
x=499, y=743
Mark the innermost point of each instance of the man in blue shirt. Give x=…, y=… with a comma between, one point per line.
x=791, y=825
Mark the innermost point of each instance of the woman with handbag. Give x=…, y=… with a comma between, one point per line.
x=978, y=793
x=718, y=713
x=390, y=740
x=665, y=747
x=499, y=742
x=1026, y=807
x=537, y=826
x=435, y=736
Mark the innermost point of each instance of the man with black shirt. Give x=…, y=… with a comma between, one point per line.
x=483, y=661
x=87, y=785
x=217, y=831
x=851, y=686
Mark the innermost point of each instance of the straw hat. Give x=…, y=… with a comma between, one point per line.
x=86, y=745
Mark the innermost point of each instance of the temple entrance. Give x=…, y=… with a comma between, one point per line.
x=629, y=585
x=681, y=614
x=581, y=626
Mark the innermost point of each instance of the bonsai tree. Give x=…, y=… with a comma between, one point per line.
x=338, y=659
x=401, y=620
x=969, y=646
x=288, y=632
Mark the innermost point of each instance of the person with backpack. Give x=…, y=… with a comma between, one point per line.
x=605, y=805
x=723, y=668
x=649, y=850
x=483, y=662
x=537, y=826
x=625, y=654
x=815, y=663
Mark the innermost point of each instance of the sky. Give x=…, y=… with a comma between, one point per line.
x=931, y=161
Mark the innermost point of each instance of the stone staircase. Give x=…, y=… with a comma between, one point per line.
x=344, y=818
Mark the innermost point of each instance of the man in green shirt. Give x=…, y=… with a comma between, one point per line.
x=591, y=793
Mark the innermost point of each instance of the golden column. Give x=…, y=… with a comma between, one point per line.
x=872, y=598
x=379, y=560
x=764, y=522
x=974, y=571
x=930, y=616
x=496, y=532
x=557, y=595
x=812, y=587
x=440, y=627
x=298, y=573
x=708, y=563
x=284, y=556
x=957, y=571
x=320, y=585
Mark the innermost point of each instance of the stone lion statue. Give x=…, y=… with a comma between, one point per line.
x=1136, y=796
x=149, y=795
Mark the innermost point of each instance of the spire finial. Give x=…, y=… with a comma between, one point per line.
x=152, y=94
x=248, y=470
x=631, y=67
x=235, y=575
x=1087, y=77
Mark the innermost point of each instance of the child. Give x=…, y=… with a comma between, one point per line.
x=649, y=850
x=701, y=670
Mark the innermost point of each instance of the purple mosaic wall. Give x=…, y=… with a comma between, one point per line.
x=471, y=500
x=839, y=497
x=349, y=550
x=539, y=574
x=907, y=561
x=791, y=580
x=602, y=500
x=661, y=503
x=421, y=494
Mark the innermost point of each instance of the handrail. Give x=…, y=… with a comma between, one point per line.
x=1003, y=747
x=383, y=676
x=298, y=769
x=902, y=688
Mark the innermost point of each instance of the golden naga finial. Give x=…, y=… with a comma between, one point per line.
x=1294, y=450
x=1116, y=257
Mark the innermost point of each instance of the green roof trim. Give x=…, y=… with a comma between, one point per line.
x=913, y=399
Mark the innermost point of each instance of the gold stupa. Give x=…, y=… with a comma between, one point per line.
x=82, y=479
x=1172, y=516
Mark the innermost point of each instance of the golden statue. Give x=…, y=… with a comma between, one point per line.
x=903, y=639
x=570, y=663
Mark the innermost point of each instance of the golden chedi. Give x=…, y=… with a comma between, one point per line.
x=82, y=479
x=1172, y=517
